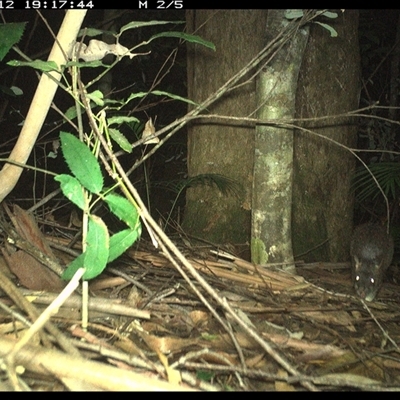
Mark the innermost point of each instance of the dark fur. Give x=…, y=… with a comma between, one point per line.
x=371, y=254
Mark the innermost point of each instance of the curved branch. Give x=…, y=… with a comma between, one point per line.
x=41, y=102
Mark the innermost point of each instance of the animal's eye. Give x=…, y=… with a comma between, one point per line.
x=357, y=278
x=372, y=280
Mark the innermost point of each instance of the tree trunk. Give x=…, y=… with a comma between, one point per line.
x=216, y=148
x=328, y=85
x=273, y=161
x=322, y=197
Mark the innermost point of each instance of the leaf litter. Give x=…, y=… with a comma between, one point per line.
x=149, y=330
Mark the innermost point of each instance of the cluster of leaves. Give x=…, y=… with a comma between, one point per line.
x=297, y=13
x=85, y=185
x=10, y=34
x=87, y=177
x=387, y=175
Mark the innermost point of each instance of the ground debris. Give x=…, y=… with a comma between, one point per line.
x=145, y=320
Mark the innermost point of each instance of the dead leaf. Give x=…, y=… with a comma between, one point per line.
x=174, y=376
x=27, y=228
x=282, y=386
x=31, y=273
x=168, y=344
x=150, y=130
x=341, y=318
x=97, y=50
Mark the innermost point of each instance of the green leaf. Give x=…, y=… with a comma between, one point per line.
x=139, y=24
x=173, y=96
x=73, y=266
x=330, y=14
x=95, y=258
x=121, y=241
x=97, y=97
x=16, y=90
x=293, y=14
x=92, y=32
x=97, y=251
x=11, y=91
x=187, y=37
x=205, y=376
x=160, y=93
x=123, y=209
x=331, y=30
x=82, y=163
x=72, y=189
x=71, y=113
x=122, y=141
x=44, y=66
x=10, y=34
x=137, y=128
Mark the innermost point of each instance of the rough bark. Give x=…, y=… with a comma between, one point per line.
x=322, y=196
x=273, y=164
x=217, y=148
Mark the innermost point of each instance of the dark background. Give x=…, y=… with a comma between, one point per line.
x=164, y=171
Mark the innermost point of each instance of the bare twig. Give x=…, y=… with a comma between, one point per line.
x=46, y=314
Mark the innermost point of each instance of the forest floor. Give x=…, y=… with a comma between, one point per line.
x=150, y=328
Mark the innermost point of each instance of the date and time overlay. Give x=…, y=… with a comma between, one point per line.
x=85, y=4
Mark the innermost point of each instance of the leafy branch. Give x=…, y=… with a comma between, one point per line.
x=87, y=180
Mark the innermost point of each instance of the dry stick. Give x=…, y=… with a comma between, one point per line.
x=223, y=302
x=12, y=292
x=35, y=252
x=168, y=243
x=288, y=123
x=40, y=104
x=251, y=121
x=46, y=315
x=385, y=334
x=146, y=217
x=37, y=325
x=268, y=51
x=103, y=376
x=207, y=304
x=16, y=316
x=128, y=278
x=120, y=169
x=113, y=270
x=44, y=200
x=98, y=304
